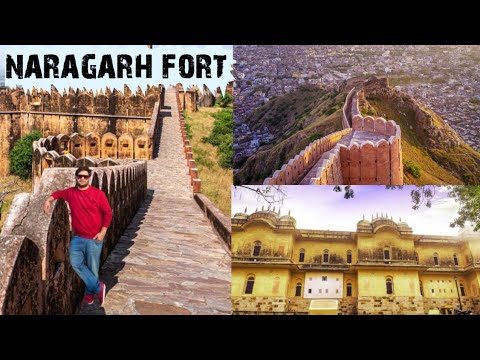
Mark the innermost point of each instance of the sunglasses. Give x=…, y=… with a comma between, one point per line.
x=83, y=176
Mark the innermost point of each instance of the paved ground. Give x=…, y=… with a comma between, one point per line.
x=169, y=261
x=362, y=136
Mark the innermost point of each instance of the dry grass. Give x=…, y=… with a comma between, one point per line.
x=23, y=186
x=216, y=181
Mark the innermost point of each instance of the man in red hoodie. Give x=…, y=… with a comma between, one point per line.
x=91, y=216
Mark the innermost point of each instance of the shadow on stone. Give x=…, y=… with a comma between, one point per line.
x=114, y=263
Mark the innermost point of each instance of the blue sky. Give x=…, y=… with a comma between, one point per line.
x=319, y=207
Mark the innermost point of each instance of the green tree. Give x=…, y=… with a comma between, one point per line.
x=21, y=155
x=226, y=100
x=466, y=195
x=469, y=199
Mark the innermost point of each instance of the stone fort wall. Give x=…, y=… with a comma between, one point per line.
x=93, y=149
x=359, y=163
x=36, y=276
x=295, y=169
x=81, y=111
x=195, y=181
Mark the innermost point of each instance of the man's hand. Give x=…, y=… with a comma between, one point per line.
x=46, y=206
x=100, y=235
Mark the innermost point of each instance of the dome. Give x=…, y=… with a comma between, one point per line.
x=363, y=222
x=240, y=216
x=287, y=220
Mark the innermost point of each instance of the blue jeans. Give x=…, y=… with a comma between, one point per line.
x=85, y=260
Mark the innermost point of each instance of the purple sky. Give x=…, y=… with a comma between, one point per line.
x=319, y=207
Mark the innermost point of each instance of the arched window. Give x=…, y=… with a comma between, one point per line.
x=455, y=259
x=462, y=290
x=416, y=257
x=249, y=285
x=421, y=288
x=386, y=253
x=349, y=289
x=325, y=256
x=256, y=248
x=298, y=289
x=389, y=283
x=349, y=256
x=435, y=259
x=301, y=256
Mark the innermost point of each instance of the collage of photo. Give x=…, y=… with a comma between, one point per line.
x=321, y=180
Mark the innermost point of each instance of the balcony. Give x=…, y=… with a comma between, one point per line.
x=389, y=262
x=262, y=259
x=323, y=266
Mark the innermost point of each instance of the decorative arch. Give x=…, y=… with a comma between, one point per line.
x=349, y=256
x=257, y=247
x=386, y=253
x=298, y=288
x=326, y=257
x=389, y=285
x=455, y=259
x=249, y=284
x=301, y=256
x=349, y=287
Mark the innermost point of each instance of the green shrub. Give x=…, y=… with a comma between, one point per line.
x=331, y=111
x=412, y=168
x=222, y=137
x=475, y=100
x=226, y=100
x=21, y=155
x=315, y=136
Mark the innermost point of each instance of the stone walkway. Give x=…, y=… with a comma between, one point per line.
x=169, y=261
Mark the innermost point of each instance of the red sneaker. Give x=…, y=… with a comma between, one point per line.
x=88, y=299
x=101, y=294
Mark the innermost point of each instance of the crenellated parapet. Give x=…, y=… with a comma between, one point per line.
x=83, y=101
x=195, y=181
x=295, y=169
x=367, y=151
x=36, y=275
x=365, y=162
x=91, y=150
x=350, y=109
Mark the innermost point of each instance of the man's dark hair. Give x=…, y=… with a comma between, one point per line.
x=83, y=168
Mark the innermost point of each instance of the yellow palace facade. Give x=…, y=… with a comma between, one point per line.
x=381, y=268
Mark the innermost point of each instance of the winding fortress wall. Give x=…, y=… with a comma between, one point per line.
x=345, y=161
x=295, y=169
x=81, y=112
x=36, y=276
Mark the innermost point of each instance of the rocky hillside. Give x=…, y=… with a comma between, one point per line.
x=433, y=153
x=428, y=143
x=295, y=119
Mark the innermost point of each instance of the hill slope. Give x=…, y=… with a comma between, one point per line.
x=299, y=117
x=427, y=141
x=295, y=119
